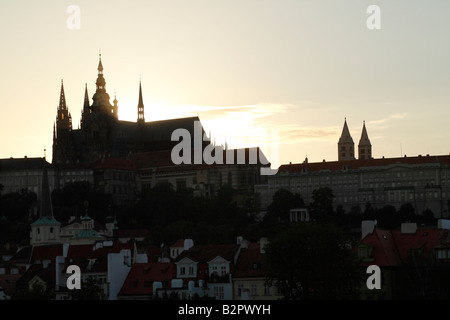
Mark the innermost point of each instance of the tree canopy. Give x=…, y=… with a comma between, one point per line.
x=312, y=261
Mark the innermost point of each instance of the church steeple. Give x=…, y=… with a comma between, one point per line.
x=346, y=145
x=141, y=118
x=100, y=79
x=86, y=98
x=101, y=97
x=62, y=98
x=100, y=66
x=63, y=118
x=45, y=230
x=364, y=146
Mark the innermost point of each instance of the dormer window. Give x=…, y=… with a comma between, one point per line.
x=365, y=252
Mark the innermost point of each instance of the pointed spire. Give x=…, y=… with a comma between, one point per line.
x=364, y=146
x=86, y=98
x=141, y=118
x=46, y=209
x=62, y=98
x=115, y=99
x=346, y=144
x=364, y=136
x=345, y=135
x=100, y=66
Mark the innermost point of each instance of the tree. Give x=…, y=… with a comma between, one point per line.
x=322, y=204
x=90, y=290
x=388, y=218
x=312, y=261
x=36, y=292
x=283, y=201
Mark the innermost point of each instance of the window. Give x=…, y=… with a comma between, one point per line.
x=240, y=289
x=223, y=270
x=182, y=270
x=191, y=270
x=253, y=290
x=441, y=254
x=219, y=292
x=266, y=290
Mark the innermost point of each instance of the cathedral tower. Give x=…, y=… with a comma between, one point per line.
x=98, y=121
x=364, y=146
x=62, y=130
x=100, y=99
x=346, y=146
x=140, y=118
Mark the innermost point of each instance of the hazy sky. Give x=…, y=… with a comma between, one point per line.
x=249, y=68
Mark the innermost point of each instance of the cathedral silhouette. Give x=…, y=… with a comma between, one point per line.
x=102, y=135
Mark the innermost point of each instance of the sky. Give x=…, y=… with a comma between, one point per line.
x=280, y=74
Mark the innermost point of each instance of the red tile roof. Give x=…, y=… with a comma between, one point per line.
x=251, y=263
x=162, y=160
x=179, y=243
x=116, y=163
x=8, y=282
x=390, y=247
x=80, y=255
x=357, y=164
x=49, y=252
x=141, y=277
x=206, y=253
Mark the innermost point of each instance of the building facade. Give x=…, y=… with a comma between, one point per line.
x=423, y=181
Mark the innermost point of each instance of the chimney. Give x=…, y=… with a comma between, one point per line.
x=408, y=227
x=443, y=224
x=367, y=227
x=188, y=243
x=262, y=244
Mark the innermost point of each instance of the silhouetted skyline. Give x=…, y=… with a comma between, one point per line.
x=298, y=67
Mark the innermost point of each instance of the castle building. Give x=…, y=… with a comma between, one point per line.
x=102, y=135
x=422, y=181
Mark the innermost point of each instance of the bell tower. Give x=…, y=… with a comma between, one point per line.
x=364, y=146
x=346, y=146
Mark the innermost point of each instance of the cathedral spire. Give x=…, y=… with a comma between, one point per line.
x=100, y=66
x=62, y=98
x=100, y=79
x=141, y=118
x=86, y=98
x=101, y=98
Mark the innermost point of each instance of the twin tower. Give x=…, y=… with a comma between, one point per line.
x=346, y=146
